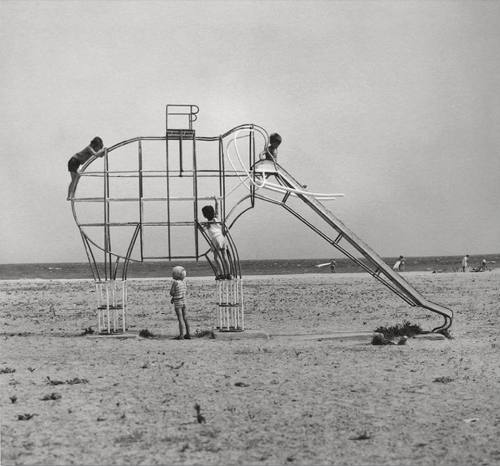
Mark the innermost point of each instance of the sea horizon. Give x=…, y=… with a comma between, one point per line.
x=81, y=270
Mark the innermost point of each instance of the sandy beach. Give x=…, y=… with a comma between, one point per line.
x=289, y=399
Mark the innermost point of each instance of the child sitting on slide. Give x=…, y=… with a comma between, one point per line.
x=218, y=242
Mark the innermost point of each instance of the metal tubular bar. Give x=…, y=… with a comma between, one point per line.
x=99, y=299
x=107, y=307
x=195, y=203
x=169, y=245
x=145, y=199
x=106, y=216
x=221, y=163
x=161, y=174
x=90, y=257
x=235, y=259
x=141, y=194
x=252, y=163
x=124, y=305
x=129, y=252
x=222, y=213
x=157, y=224
x=285, y=198
x=169, y=258
x=113, y=295
x=116, y=268
x=180, y=154
x=242, y=305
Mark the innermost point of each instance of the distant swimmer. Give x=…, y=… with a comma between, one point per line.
x=94, y=149
x=399, y=265
x=465, y=263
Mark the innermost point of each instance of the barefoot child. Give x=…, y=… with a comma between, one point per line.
x=178, y=293
x=218, y=242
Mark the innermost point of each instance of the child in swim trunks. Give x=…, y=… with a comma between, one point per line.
x=178, y=293
x=218, y=242
x=94, y=149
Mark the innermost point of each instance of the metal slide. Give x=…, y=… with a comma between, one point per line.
x=371, y=262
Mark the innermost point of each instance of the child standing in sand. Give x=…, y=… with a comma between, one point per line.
x=218, y=242
x=465, y=263
x=178, y=293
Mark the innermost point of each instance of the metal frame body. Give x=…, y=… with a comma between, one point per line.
x=253, y=175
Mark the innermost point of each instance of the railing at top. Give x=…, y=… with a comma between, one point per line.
x=190, y=111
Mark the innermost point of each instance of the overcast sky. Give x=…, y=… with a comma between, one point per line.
x=396, y=104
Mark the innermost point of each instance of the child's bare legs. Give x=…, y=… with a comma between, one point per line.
x=218, y=265
x=226, y=263
x=72, y=185
x=179, y=311
x=184, y=318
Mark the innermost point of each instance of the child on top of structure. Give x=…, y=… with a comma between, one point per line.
x=218, y=242
x=271, y=151
x=178, y=293
x=94, y=149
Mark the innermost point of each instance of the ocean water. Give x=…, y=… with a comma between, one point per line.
x=248, y=267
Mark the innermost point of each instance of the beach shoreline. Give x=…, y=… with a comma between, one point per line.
x=309, y=275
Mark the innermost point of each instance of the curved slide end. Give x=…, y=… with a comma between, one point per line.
x=445, y=312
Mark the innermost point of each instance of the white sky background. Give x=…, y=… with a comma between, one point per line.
x=396, y=104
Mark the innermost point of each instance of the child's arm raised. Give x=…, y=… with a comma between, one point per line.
x=216, y=207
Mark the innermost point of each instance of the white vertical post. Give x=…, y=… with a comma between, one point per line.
x=113, y=303
x=98, y=299
x=124, y=304
x=242, y=305
x=107, y=307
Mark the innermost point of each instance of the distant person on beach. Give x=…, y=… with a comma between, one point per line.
x=94, y=149
x=271, y=151
x=218, y=242
x=332, y=266
x=399, y=265
x=465, y=263
x=178, y=293
x=483, y=265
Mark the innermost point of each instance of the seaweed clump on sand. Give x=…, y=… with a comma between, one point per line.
x=386, y=335
x=406, y=329
x=204, y=333
x=145, y=333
